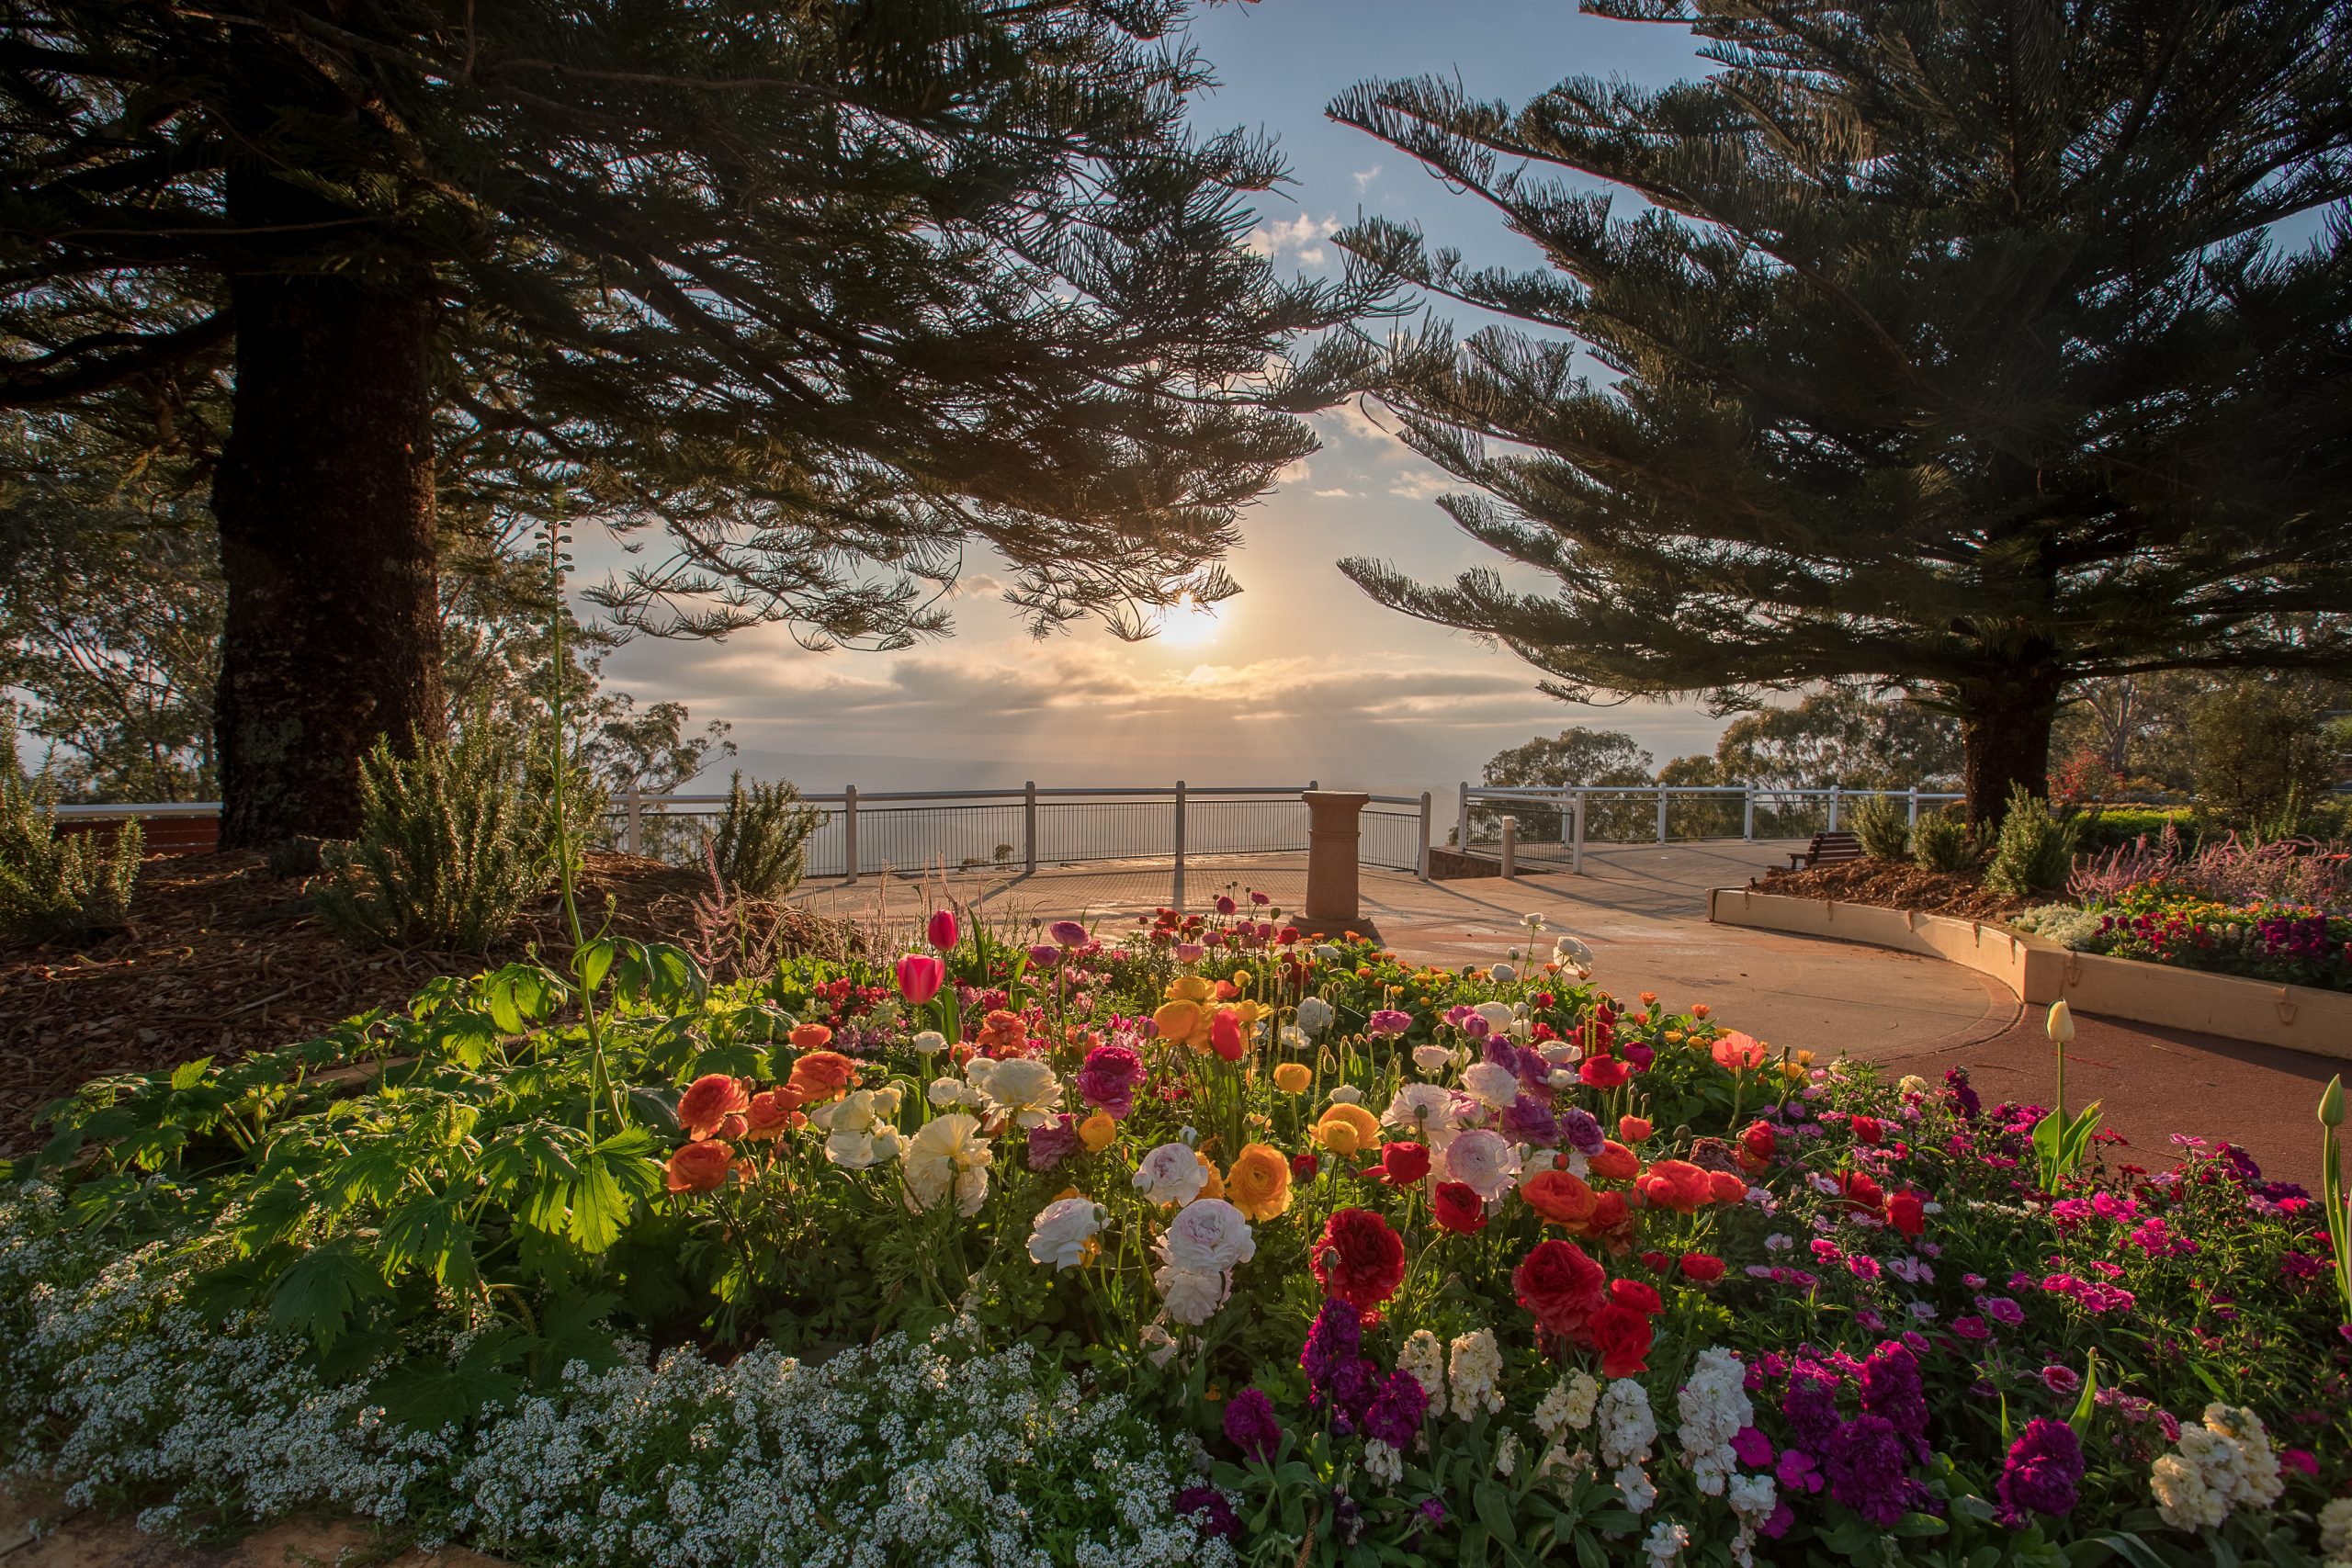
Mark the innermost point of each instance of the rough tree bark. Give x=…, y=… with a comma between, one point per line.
x=324, y=500
x=2005, y=721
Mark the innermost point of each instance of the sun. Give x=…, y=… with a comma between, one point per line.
x=1188, y=623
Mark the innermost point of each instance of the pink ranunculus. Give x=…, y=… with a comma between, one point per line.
x=1735, y=1050
x=920, y=976
x=942, y=930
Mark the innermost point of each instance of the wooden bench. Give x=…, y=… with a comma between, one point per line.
x=1825, y=849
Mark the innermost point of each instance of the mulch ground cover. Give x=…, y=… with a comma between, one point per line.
x=1894, y=885
x=222, y=958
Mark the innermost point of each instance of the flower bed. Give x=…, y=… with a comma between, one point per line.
x=1193, y=1243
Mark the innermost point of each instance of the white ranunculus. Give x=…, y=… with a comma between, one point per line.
x=1347, y=1094
x=886, y=1101
x=947, y=1156
x=930, y=1042
x=1207, y=1234
x=1024, y=1088
x=1574, y=953
x=853, y=1112
x=1193, y=1295
x=1314, y=1016
x=1293, y=1037
x=1491, y=1083
x=947, y=1091
x=1158, y=1345
x=1504, y=974
x=1482, y=1160
x=1496, y=1014
x=1432, y=1059
x=1327, y=951
x=1171, y=1173
x=1063, y=1230
x=1421, y=1110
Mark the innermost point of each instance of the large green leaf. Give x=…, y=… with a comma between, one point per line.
x=316, y=1296
x=429, y=1396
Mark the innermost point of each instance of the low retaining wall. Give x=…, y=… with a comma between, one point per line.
x=2040, y=972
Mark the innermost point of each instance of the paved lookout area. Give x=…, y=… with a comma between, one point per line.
x=1642, y=908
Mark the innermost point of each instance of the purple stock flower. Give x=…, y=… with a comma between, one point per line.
x=1810, y=1406
x=1891, y=1390
x=2043, y=1470
x=1249, y=1425
x=1050, y=1143
x=1221, y=1519
x=1583, y=1134
x=1865, y=1462
x=1396, y=1411
x=1526, y=1121
x=1338, y=1376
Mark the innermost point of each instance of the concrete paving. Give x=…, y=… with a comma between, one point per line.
x=1642, y=908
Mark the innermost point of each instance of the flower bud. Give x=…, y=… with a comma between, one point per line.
x=2331, y=1103
x=2061, y=1022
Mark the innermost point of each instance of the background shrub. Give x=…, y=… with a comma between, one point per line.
x=1881, y=823
x=453, y=842
x=53, y=885
x=2261, y=747
x=2034, y=851
x=2113, y=827
x=1943, y=842
x=761, y=844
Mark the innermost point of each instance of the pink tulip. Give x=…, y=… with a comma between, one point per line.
x=942, y=931
x=920, y=976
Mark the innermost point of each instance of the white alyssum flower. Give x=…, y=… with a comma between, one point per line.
x=1665, y=1542
x=1314, y=1014
x=1209, y=1234
x=1714, y=1406
x=1171, y=1173
x=1423, y=1359
x=1191, y=1295
x=1569, y=1406
x=1475, y=1368
x=1064, y=1231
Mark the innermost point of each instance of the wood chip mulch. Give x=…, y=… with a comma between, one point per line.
x=223, y=959
x=1894, y=885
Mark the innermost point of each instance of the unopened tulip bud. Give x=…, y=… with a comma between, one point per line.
x=2061, y=1022
x=2331, y=1103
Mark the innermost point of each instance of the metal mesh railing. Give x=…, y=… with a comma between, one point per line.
x=1551, y=824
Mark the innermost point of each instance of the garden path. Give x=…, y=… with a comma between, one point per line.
x=1642, y=908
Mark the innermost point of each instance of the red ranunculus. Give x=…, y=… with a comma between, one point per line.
x=1633, y=1129
x=1302, y=1167
x=1561, y=1285
x=1725, y=1188
x=1906, y=1214
x=1657, y=1262
x=1701, y=1267
x=1615, y=1162
x=1458, y=1207
x=1642, y=1298
x=1675, y=1184
x=1358, y=1258
x=1227, y=1037
x=1861, y=1191
x=1621, y=1335
x=708, y=1102
x=1559, y=1197
x=1868, y=1129
x=1404, y=1163
x=698, y=1167
x=1755, y=1145
x=1603, y=1072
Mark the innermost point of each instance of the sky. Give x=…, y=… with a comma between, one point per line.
x=1301, y=676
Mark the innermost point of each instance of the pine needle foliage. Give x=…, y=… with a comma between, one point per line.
x=2034, y=851
x=1944, y=843
x=760, y=849
x=1956, y=346
x=453, y=843
x=57, y=887
x=1881, y=826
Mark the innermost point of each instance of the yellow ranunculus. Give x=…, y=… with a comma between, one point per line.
x=1179, y=1020
x=1190, y=989
x=1097, y=1131
x=1292, y=1078
x=1259, y=1183
x=1344, y=1129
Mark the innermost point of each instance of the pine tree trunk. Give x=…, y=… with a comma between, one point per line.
x=2005, y=737
x=324, y=500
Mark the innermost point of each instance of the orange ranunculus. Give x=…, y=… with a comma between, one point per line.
x=1615, y=1162
x=1178, y=1020
x=1727, y=1188
x=708, y=1102
x=1700, y=1010
x=810, y=1037
x=698, y=1167
x=1214, y=1187
x=1097, y=1131
x=1259, y=1183
x=1633, y=1129
x=1003, y=1033
x=1559, y=1197
x=1735, y=1052
x=1227, y=1038
x=1675, y=1184
x=1293, y=1077
x=1611, y=1221
x=773, y=1110
x=821, y=1076
x=1189, y=988
x=1344, y=1129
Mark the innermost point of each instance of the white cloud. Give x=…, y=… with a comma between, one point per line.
x=1334, y=494
x=1363, y=178
x=1301, y=238
x=1293, y=473
x=1422, y=484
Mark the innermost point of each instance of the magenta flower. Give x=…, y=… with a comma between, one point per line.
x=1249, y=1425
x=1070, y=933
x=941, y=930
x=919, y=975
x=1387, y=1023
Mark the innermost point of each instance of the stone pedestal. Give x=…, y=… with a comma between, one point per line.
x=1333, y=832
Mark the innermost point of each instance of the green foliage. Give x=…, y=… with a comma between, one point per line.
x=2034, y=850
x=1577, y=755
x=1881, y=822
x=2111, y=826
x=1943, y=842
x=453, y=842
x=2260, y=749
x=761, y=845
x=1839, y=269
x=1843, y=736
x=55, y=886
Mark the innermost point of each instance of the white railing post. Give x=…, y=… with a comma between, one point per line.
x=1421, y=865
x=1177, y=902
x=633, y=837
x=1914, y=818
x=849, y=831
x=1566, y=814
x=1747, y=813
x=1462, y=820
x=1029, y=824
x=1511, y=846
x=1834, y=796
x=1661, y=814
x=1576, y=848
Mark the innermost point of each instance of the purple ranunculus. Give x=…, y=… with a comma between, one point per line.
x=1110, y=1078
x=1249, y=1425
x=1396, y=1410
x=1638, y=1055
x=2043, y=1473
x=1069, y=933
x=1045, y=955
x=1050, y=1143
x=1581, y=1131
x=1528, y=1121
x=1865, y=1462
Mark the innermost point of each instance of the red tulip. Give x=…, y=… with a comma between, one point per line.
x=943, y=930
x=920, y=974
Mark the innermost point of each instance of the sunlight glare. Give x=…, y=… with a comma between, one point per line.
x=1188, y=624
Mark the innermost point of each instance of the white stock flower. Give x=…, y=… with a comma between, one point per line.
x=1507, y=1453
x=2224, y=1463
x=1483, y=1161
x=1665, y=1542
x=1193, y=1295
x=1627, y=1428
x=1171, y=1173
x=1475, y=1369
x=1569, y=1406
x=1423, y=1359
x=1714, y=1406
x=1314, y=1015
x=1382, y=1462
x=2336, y=1529
x=947, y=1156
x=1209, y=1235
x=1064, y=1230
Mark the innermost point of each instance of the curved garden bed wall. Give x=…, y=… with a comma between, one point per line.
x=2041, y=971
